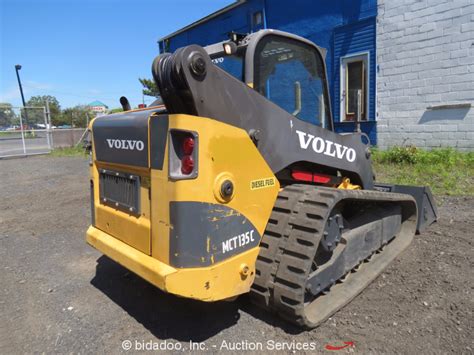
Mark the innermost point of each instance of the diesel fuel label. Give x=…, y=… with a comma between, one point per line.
x=262, y=183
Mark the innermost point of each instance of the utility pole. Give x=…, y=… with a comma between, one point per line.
x=17, y=69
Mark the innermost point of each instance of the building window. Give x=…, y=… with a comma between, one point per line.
x=354, y=88
x=257, y=18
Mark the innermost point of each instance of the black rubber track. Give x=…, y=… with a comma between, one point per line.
x=273, y=243
x=289, y=245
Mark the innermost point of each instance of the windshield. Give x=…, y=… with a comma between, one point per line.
x=291, y=74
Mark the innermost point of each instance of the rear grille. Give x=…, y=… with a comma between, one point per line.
x=120, y=190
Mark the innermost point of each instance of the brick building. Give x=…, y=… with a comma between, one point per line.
x=412, y=60
x=425, y=79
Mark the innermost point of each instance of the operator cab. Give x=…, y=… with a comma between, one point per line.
x=287, y=69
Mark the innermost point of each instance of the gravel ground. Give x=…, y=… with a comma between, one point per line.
x=58, y=295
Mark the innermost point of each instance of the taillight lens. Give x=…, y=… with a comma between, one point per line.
x=188, y=145
x=183, y=154
x=310, y=176
x=187, y=165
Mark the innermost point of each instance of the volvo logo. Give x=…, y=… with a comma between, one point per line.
x=126, y=144
x=326, y=147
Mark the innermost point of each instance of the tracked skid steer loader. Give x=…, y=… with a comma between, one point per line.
x=239, y=184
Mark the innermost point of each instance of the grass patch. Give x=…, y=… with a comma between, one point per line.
x=69, y=152
x=446, y=170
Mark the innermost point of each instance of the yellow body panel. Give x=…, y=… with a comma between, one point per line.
x=217, y=282
x=225, y=152
x=143, y=265
x=142, y=244
x=134, y=231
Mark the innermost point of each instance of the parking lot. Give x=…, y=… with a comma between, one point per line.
x=37, y=141
x=11, y=144
x=58, y=295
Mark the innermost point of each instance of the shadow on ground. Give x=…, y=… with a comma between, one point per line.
x=170, y=317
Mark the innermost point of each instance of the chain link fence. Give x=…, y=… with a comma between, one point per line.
x=24, y=131
x=28, y=131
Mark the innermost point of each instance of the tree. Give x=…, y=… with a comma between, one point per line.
x=150, y=87
x=7, y=115
x=77, y=116
x=36, y=115
x=116, y=110
x=40, y=101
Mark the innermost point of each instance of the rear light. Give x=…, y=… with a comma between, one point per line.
x=188, y=145
x=187, y=165
x=310, y=177
x=187, y=162
x=302, y=175
x=321, y=179
x=183, y=154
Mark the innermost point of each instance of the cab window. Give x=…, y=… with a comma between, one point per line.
x=291, y=74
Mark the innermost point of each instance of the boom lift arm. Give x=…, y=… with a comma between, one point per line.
x=190, y=83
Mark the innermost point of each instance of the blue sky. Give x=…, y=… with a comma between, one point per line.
x=85, y=50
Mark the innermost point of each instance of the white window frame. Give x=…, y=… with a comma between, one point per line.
x=353, y=57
